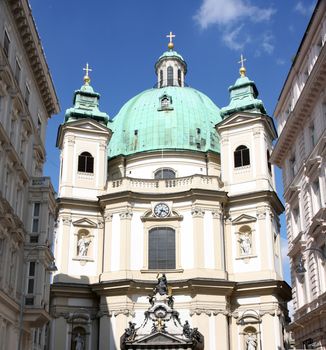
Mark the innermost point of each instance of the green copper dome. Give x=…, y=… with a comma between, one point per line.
x=175, y=118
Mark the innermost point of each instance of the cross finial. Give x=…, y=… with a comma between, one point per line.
x=87, y=79
x=171, y=36
x=242, y=69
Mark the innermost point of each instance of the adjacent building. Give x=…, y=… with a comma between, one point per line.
x=27, y=203
x=172, y=185
x=300, y=152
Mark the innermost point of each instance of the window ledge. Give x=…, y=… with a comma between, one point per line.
x=249, y=256
x=83, y=258
x=244, y=167
x=161, y=271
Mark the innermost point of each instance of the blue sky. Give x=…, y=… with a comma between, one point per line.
x=122, y=39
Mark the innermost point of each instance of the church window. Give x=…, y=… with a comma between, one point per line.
x=161, y=248
x=179, y=77
x=241, y=156
x=86, y=163
x=269, y=162
x=170, y=76
x=164, y=173
x=161, y=78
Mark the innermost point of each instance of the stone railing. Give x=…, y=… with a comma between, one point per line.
x=165, y=185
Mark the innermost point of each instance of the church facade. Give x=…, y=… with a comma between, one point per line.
x=172, y=185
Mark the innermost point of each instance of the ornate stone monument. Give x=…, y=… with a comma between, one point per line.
x=162, y=325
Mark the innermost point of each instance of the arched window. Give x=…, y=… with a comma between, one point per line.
x=241, y=156
x=161, y=248
x=161, y=78
x=170, y=76
x=86, y=163
x=164, y=173
x=179, y=77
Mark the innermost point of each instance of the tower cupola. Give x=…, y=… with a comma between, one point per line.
x=170, y=68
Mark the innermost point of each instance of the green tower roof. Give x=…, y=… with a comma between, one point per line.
x=175, y=118
x=86, y=105
x=243, y=97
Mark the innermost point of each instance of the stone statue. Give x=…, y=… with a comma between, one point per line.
x=82, y=246
x=251, y=342
x=245, y=243
x=162, y=285
x=79, y=342
x=186, y=330
x=130, y=331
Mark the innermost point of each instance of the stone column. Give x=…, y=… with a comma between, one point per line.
x=125, y=241
x=198, y=225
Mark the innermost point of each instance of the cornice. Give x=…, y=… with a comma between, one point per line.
x=31, y=41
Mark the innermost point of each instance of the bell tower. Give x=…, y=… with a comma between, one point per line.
x=253, y=230
x=82, y=140
x=247, y=133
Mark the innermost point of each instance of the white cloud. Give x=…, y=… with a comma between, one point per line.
x=235, y=38
x=267, y=43
x=304, y=9
x=280, y=61
x=224, y=12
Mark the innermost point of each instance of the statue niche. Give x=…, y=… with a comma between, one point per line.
x=83, y=243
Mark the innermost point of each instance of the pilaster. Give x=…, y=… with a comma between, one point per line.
x=198, y=224
x=125, y=241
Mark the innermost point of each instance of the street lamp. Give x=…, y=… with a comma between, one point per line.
x=51, y=268
x=300, y=269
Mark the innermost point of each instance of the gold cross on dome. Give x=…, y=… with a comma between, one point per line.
x=242, y=69
x=87, y=69
x=171, y=36
x=242, y=60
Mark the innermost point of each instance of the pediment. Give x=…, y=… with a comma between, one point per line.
x=239, y=118
x=160, y=339
x=84, y=223
x=88, y=124
x=243, y=219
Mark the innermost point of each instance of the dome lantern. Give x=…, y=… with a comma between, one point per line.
x=170, y=68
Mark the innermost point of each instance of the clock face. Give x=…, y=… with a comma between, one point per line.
x=161, y=210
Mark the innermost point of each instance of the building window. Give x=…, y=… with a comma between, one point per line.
x=241, y=156
x=17, y=71
x=27, y=95
x=316, y=200
x=179, y=77
x=293, y=169
x=39, y=125
x=161, y=248
x=170, y=76
x=296, y=220
x=30, y=283
x=6, y=44
x=86, y=163
x=164, y=173
x=161, y=78
x=36, y=217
